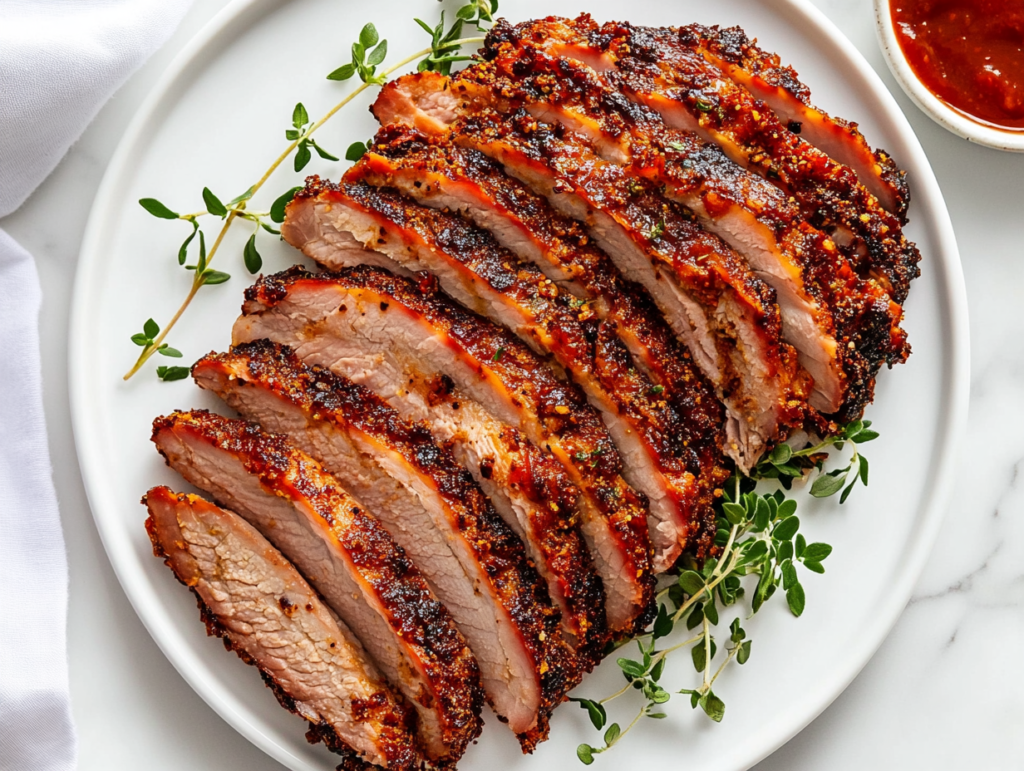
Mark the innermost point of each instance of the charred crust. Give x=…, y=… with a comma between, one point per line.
x=697, y=420
x=694, y=167
x=518, y=368
x=394, y=718
x=732, y=46
x=419, y=620
x=324, y=396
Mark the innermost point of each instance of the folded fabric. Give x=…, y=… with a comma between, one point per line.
x=60, y=60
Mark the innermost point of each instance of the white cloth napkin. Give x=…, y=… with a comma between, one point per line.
x=59, y=63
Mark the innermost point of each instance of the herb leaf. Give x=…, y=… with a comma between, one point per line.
x=344, y=72
x=212, y=277
x=378, y=54
x=323, y=153
x=157, y=209
x=183, y=251
x=713, y=706
x=168, y=374
x=355, y=151
x=253, y=261
x=302, y=156
x=796, y=599
x=213, y=203
x=596, y=711
x=278, y=207
x=827, y=485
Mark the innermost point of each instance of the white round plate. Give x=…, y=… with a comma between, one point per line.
x=217, y=119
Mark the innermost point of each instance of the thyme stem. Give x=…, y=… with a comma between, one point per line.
x=707, y=654
x=197, y=282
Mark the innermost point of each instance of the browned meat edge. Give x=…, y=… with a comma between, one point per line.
x=419, y=620
x=396, y=718
x=319, y=392
x=580, y=431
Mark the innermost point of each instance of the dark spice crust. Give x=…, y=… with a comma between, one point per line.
x=419, y=620
x=583, y=344
x=665, y=63
x=388, y=711
x=732, y=45
x=626, y=306
x=324, y=396
x=855, y=311
x=580, y=431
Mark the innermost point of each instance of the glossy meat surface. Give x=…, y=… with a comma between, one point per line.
x=474, y=563
x=484, y=277
x=348, y=557
x=844, y=328
x=726, y=316
x=253, y=598
x=664, y=69
x=765, y=76
x=406, y=335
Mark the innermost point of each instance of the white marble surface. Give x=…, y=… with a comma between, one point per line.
x=943, y=692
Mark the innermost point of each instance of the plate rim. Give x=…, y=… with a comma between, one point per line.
x=951, y=287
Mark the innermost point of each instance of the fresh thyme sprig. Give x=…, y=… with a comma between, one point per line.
x=368, y=53
x=758, y=535
x=785, y=464
x=445, y=46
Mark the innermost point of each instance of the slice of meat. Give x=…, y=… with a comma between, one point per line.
x=473, y=562
x=764, y=75
x=749, y=213
x=663, y=68
x=252, y=597
x=348, y=557
x=367, y=445
x=401, y=339
x=733, y=332
x=529, y=488
x=843, y=327
x=483, y=276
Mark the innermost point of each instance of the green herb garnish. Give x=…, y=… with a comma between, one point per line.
x=368, y=52
x=758, y=537
x=168, y=374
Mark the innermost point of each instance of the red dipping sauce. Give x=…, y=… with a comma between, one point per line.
x=969, y=53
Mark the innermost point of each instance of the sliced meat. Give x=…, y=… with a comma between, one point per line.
x=253, y=598
x=734, y=335
x=801, y=263
x=663, y=68
x=764, y=75
x=844, y=328
x=560, y=165
x=473, y=562
x=366, y=444
x=529, y=487
x=398, y=338
x=346, y=555
x=483, y=276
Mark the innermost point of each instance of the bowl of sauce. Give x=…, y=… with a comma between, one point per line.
x=962, y=62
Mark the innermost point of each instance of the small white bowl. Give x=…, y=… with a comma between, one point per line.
x=936, y=109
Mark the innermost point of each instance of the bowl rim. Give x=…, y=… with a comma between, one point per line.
x=936, y=109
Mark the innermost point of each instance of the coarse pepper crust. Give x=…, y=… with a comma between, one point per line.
x=418, y=619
